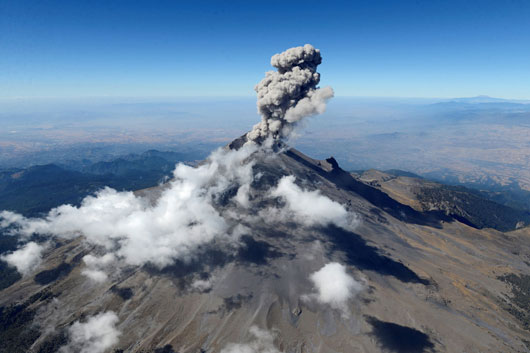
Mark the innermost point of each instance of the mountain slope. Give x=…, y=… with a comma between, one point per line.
x=468, y=206
x=428, y=282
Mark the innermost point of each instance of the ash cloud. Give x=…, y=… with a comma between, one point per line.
x=290, y=94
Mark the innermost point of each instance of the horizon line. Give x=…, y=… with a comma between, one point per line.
x=226, y=97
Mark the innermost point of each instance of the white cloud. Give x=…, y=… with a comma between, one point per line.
x=334, y=285
x=95, y=266
x=25, y=259
x=263, y=342
x=95, y=335
x=310, y=207
x=97, y=276
x=137, y=232
x=242, y=196
x=7, y=218
x=201, y=284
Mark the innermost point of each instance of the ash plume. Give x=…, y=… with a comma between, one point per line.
x=290, y=94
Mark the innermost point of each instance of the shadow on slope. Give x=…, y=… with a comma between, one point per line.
x=401, y=339
x=212, y=256
x=49, y=276
x=208, y=259
x=256, y=251
x=366, y=257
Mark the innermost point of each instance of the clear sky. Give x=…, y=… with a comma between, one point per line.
x=395, y=48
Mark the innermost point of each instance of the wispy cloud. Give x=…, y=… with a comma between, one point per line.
x=310, y=207
x=262, y=342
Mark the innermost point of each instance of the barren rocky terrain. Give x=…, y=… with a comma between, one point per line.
x=429, y=283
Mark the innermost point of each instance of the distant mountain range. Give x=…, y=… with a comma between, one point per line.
x=478, y=209
x=39, y=188
x=481, y=103
x=487, y=99
x=480, y=99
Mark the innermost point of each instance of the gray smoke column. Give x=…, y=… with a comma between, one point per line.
x=290, y=94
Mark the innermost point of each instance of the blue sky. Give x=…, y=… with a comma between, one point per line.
x=220, y=48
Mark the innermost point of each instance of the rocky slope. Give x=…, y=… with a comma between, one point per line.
x=426, y=282
x=458, y=202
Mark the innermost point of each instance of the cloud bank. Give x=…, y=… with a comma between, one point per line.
x=96, y=335
x=334, y=285
x=131, y=230
x=290, y=94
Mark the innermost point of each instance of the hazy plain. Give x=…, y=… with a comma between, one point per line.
x=478, y=140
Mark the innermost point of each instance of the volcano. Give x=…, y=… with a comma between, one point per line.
x=424, y=281
x=261, y=248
